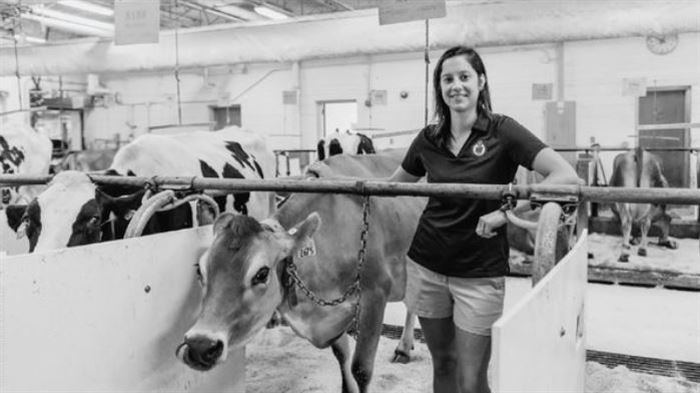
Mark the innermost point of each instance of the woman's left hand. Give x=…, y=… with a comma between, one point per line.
x=489, y=222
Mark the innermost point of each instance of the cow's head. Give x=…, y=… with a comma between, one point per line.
x=241, y=278
x=72, y=211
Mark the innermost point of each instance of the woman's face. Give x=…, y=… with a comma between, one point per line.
x=460, y=84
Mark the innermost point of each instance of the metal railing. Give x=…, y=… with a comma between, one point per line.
x=681, y=196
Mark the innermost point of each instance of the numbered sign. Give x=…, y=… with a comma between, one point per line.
x=136, y=21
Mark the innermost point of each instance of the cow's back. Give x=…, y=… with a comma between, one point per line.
x=632, y=172
x=180, y=154
x=230, y=152
x=381, y=164
x=627, y=173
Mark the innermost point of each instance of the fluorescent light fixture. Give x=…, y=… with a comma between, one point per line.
x=30, y=39
x=88, y=7
x=269, y=12
x=68, y=26
x=73, y=19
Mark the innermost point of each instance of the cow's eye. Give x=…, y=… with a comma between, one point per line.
x=261, y=276
x=94, y=221
x=199, y=272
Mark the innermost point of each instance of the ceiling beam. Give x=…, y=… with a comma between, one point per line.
x=211, y=10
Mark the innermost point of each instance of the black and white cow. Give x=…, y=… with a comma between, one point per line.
x=640, y=169
x=347, y=142
x=74, y=211
x=23, y=151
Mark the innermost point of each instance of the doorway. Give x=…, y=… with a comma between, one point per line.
x=661, y=106
x=224, y=116
x=337, y=114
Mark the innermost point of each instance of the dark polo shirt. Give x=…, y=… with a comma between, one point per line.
x=445, y=240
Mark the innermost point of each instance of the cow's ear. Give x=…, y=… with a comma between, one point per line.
x=222, y=222
x=306, y=229
x=14, y=215
x=103, y=199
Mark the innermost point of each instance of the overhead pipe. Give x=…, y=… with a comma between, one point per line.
x=353, y=33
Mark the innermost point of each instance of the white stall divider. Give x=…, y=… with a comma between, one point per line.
x=106, y=318
x=9, y=243
x=539, y=344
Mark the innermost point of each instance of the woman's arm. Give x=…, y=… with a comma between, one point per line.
x=554, y=168
x=400, y=175
x=548, y=163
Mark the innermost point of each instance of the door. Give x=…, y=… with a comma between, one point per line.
x=226, y=116
x=338, y=115
x=667, y=106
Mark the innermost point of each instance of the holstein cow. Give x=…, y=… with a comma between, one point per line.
x=23, y=151
x=640, y=169
x=244, y=274
x=74, y=211
x=347, y=143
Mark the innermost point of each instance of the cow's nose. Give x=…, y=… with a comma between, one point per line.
x=203, y=351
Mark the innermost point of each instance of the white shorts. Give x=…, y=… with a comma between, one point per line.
x=474, y=303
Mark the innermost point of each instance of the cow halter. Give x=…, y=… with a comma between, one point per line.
x=291, y=275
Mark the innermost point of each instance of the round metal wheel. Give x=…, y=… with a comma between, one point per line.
x=551, y=241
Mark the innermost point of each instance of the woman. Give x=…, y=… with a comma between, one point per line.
x=459, y=255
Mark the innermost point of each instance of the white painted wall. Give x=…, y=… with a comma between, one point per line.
x=593, y=75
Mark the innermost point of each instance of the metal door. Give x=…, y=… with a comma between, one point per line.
x=667, y=106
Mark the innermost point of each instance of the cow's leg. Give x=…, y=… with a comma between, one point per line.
x=370, y=328
x=341, y=350
x=626, y=223
x=663, y=221
x=644, y=228
x=402, y=353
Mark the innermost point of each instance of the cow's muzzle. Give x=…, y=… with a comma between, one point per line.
x=199, y=352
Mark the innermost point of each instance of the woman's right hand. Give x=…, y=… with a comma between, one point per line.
x=488, y=223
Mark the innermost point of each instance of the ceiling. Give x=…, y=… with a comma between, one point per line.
x=33, y=22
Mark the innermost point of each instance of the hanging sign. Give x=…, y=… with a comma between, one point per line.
x=397, y=11
x=136, y=21
x=636, y=87
x=542, y=91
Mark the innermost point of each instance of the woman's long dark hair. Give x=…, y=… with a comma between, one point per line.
x=442, y=111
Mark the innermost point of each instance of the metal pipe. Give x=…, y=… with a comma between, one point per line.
x=574, y=149
x=681, y=196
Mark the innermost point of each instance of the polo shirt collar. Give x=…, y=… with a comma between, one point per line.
x=482, y=123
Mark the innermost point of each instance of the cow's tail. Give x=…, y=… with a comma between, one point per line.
x=321, y=150
x=639, y=164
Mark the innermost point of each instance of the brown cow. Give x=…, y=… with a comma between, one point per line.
x=640, y=169
x=243, y=274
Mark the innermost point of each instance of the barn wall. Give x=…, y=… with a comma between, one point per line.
x=593, y=77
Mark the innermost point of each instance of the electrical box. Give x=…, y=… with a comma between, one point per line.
x=560, y=127
x=560, y=123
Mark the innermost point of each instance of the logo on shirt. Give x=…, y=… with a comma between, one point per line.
x=479, y=148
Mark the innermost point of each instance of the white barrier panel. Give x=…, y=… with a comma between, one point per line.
x=539, y=344
x=106, y=318
x=9, y=244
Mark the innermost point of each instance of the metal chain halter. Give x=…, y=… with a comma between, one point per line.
x=293, y=275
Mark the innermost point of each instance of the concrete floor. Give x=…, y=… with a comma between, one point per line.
x=650, y=322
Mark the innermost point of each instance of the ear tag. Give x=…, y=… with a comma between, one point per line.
x=129, y=215
x=309, y=249
x=292, y=231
